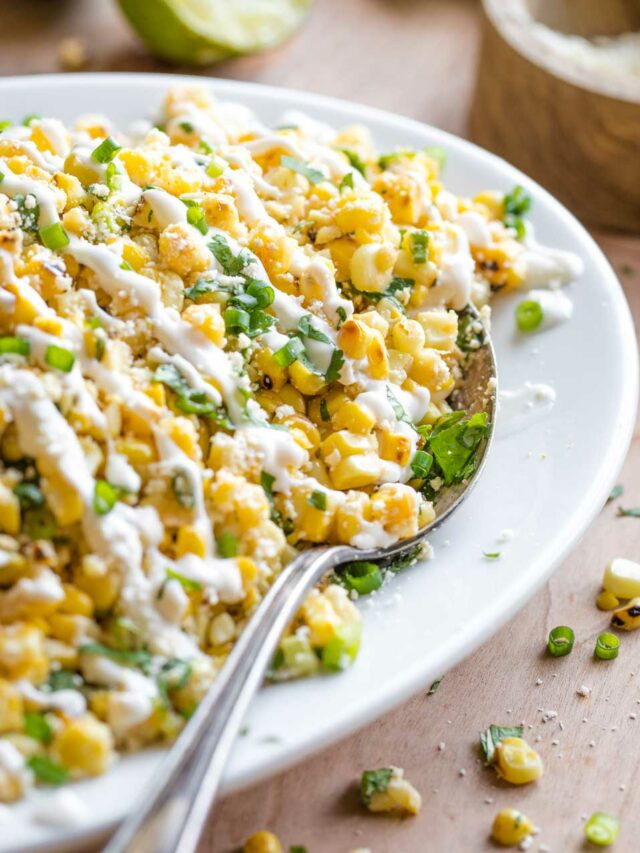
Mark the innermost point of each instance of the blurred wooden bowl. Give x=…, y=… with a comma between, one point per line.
x=576, y=132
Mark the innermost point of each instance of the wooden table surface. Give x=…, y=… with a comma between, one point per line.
x=417, y=57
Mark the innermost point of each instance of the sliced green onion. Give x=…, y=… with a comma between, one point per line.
x=529, y=315
x=14, y=346
x=1, y=177
x=421, y=463
x=186, y=126
x=419, y=247
x=39, y=523
x=236, y=320
x=215, y=167
x=361, y=577
x=47, y=771
x=197, y=218
x=4, y=124
x=106, y=151
x=355, y=160
x=54, y=237
x=29, y=495
x=28, y=120
x=204, y=146
x=561, y=640
x=104, y=497
x=182, y=488
x=188, y=584
x=59, y=358
x=346, y=182
x=318, y=500
x=289, y=352
x=227, y=545
x=343, y=648
x=262, y=292
x=602, y=829
x=37, y=727
x=438, y=154
x=607, y=646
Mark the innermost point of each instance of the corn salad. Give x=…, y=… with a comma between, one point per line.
x=219, y=343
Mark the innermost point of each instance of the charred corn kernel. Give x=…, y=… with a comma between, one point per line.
x=221, y=212
x=354, y=472
x=9, y=511
x=373, y=320
x=22, y=653
x=607, y=601
x=262, y=842
x=208, y=319
x=517, y=762
x=157, y=393
x=386, y=790
x=304, y=380
x=62, y=499
x=268, y=367
x=372, y=265
x=181, y=250
x=76, y=221
x=137, y=450
x=344, y=443
x=190, y=541
x=396, y=507
x=183, y=432
x=377, y=356
x=247, y=568
x=622, y=578
x=510, y=827
x=395, y=447
x=354, y=418
x=353, y=338
x=406, y=197
x=75, y=601
x=11, y=707
x=408, y=336
x=71, y=187
x=440, y=328
x=304, y=427
x=84, y=746
x=83, y=169
x=429, y=369
x=627, y=618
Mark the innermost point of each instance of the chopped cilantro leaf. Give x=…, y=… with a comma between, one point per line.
x=47, y=771
x=335, y=365
x=374, y=781
x=616, y=491
x=454, y=442
x=314, y=176
x=346, y=182
x=355, y=160
x=306, y=328
x=318, y=500
x=490, y=738
x=632, y=512
x=231, y=264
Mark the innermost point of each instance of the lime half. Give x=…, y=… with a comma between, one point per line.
x=198, y=32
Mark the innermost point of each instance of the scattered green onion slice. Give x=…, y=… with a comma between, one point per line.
x=29, y=119
x=14, y=346
x=602, y=829
x=106, y=151
x=420, y=247
x=197, y=218
x=529, y=315
x=607, y=646
x=421, y=463
x=227, y=545
x=215, y=167
x=188, y=584
x=561, y=640
x=104, y=497
x=186, y=126
x=39, y=523
x=318, y=500
x=289, y=352
x=362, y=577
x=59, y=358
x=54, y=237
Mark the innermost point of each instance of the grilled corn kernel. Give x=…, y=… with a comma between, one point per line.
x=268, y=367
x=354, y=472
x=22, y=653
x=183, y=432
x=440, y=328
x=395, y=447
x=377, y=356
x=190, y=541
x=65, y=503
x=208, y=319
x=9, y=511
x=510, y=827
x=181, y=251
x=517, y=762
x=354, y=418
x=84, y=746
x=304, y=380
x=607, y=601
x=344, y=443
x=372, y=267
x=627, y=618
x=139, y=451
x=262, y=842
x=429, y=369
x=408, y=336
x=353, y=338
x=75, y=601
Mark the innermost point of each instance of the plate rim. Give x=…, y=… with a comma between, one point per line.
x=412, y=678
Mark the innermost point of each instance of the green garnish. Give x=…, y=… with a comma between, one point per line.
x=421, y=463
x=561, y=640
x=37, y=727
x=346, y=182
x=516, y=204
x=196, y=215
x=420, y=247
x=59, y=358
x=397, y=564
x=308, y=330
x=289, y=353
x=28, y=120
x=39, y=523
x=125, y=265
x=434, y=687
x=343, y=648
x=362, y=577
x=314, y=176
x=174, y=675
x=529, y=315
x=215, y=167
x=260, y=291
x=631, y=512
x=490, y=738
x=14, y=346
x=140, y=659
x=607, y=646
x=201, y=288
x=492, y=555
x=616, y=491
x=438, y=154
x=47, y=771
x=182, y=488
x=324, y=411
x=602, y=829
x=266, y=481
x=227, y=545
x=105, y=497
x=188, y=584
x=186, y=126
x=106, y=151
x=236, y=320
x=28, y=494
x=454, y=442
x=355, y=160
x=342, y=314
x=189, y=400
x=471, y=331
x=64, y=679
x=335, y=365
x=374, y=781
x=398, y=408
x=54, y=237
x=29, y=213
x=318, y=500
x=231, y=264
x=4, y=124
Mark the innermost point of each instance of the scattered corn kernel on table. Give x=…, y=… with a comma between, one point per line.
x=417, y=58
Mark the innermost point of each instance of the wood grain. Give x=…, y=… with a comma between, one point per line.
x=417, y=57
x=581, y=144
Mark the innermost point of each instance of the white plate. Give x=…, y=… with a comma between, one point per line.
x=545, y=481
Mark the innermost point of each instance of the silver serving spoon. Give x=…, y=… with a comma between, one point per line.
x=171, y=814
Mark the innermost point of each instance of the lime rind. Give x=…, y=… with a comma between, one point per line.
x=199, y=32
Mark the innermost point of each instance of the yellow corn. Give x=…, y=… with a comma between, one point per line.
x=354, y=472
x=84, y=746
x=304, y=380
x=517, y=762
x=353, y=418
x=353, y=338
x=408, y=336
x=372, y=266
x=510, y=827
x=190, y=541
x=11, y=708
x=627, y=618
x=395, y=448
x=262, y=842
x=9, y=511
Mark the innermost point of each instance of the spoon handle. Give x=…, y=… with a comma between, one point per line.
x=170, y=815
